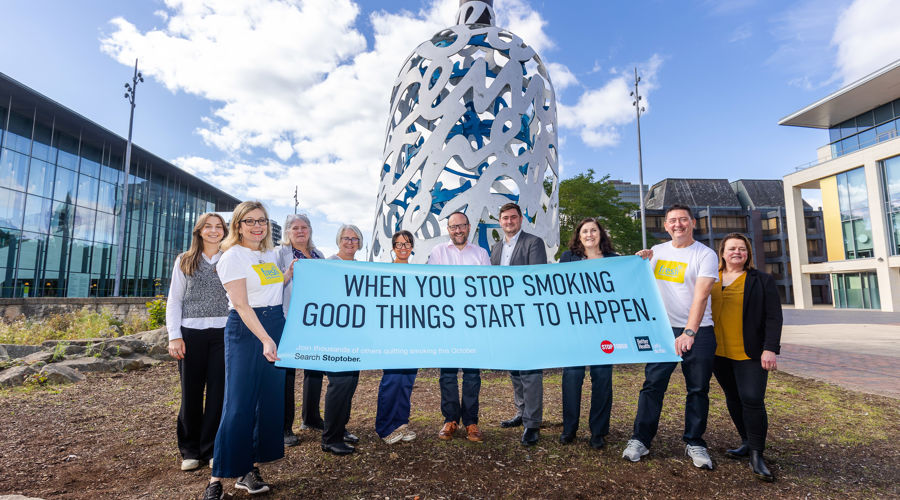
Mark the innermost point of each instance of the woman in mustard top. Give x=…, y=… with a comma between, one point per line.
x=746, y=311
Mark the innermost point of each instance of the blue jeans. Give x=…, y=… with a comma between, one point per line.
x=253, y=412
x=697, y=365
x=451, y=408
x=393, y=406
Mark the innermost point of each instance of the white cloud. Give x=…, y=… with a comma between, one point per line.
x=742, y=32
x=600, y=113
x=802, y=33
x=867, y=38
x=299, y=98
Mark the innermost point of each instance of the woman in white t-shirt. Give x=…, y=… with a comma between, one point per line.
x=253, y=415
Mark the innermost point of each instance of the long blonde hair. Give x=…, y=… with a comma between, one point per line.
x=190, y=260
x=234, y=233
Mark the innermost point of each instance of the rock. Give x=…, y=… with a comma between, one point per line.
x=20, y=351
x=18, y=497
x=15, y=376
x=117, y=350
x=111, y=331
x=160, y=336
x=90, y=364
x=38, y=357
x=3, y=354
x=57, y=374
x=132, y=344
x=74, y=350
x=136, y=363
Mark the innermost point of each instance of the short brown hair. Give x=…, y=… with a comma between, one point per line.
x=748, y=265
x=510, y=206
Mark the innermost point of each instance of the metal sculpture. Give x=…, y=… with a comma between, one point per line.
x=472, y=126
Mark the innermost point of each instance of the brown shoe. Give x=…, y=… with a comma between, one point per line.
x=447, y=431
x=474, y=433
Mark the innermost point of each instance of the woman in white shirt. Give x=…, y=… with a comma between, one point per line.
x=196, y=310
x=253, y=415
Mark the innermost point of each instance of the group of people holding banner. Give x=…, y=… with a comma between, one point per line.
x=231, y=291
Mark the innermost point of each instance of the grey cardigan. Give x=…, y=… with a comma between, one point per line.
x=283, y=259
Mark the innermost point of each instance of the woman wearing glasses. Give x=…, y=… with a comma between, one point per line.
x=392, y=413
x=341, y=385
x=195, y=317
x=296, y=245
x=253, y=414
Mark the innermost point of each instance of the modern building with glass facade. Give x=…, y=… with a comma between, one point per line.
x=60, y=190
x=858, y=175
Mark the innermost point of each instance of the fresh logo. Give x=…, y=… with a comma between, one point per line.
x=643, y=343
x=268, y=273
x=669, y=270
x=607, y=347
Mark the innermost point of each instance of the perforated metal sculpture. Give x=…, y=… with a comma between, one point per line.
x=472, y=126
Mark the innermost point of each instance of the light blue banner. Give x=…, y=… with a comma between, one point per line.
x=348, y=315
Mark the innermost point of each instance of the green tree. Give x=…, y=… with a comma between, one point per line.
x=583, y=196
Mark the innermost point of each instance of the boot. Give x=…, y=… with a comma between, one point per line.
x=759, y=467
x=740, y=452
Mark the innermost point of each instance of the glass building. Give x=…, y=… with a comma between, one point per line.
x=60, y=189
x=858, y=177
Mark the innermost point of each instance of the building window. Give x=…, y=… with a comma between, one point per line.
x=770, y=226
x=855, y=221
x=891, y=171
x=856, y=290
x=814, y=248
x=729, y=224
x=772, y=248
x=871, y=127
x=775, y=269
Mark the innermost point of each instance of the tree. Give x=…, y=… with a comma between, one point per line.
x=582, y=196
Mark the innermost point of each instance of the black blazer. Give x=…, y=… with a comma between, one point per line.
x=762, y=314
x=568, y=256
x=529, y=250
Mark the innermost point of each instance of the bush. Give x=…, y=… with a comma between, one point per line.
x=157, y=310
x=80, y=324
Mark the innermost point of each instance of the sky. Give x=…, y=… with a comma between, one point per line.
x=258, y=97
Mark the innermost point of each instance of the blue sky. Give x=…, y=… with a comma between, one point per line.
x=257, y=97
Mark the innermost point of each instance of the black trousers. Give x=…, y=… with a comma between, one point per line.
x=601, y=399
x=338, y=398
x=312, y=392
x=202, y=370
x=744, y=384
x=290, y=375
x=454, y=408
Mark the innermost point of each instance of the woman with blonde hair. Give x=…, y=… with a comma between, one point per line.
x=297, y=244
x=196, y=310
x=253, y=415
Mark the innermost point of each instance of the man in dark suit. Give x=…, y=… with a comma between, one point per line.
x=518, y=248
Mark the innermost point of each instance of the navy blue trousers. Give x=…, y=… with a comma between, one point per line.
x=253, y=413
x=393, y=407
x=697, y=366
x=453, y=407
x=601, y=399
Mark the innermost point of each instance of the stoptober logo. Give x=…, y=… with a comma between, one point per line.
x=607, y=347
x=643, y=343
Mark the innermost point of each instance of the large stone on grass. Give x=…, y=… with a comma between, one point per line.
x=136, y=363
x=3, y=354
x=56, y=373
x=20, y=351
x=91, y=364
x=15, y=376
x=38, y=357
x=18, y=497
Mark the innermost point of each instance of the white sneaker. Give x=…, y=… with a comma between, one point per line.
x=408, y=434
x=634, y=450
x=700, y=456
x=393, y=437
x=190, y=464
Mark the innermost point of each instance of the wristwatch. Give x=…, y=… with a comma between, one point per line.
x=689, y=332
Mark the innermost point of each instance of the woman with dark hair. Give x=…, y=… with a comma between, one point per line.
x=747, y=319
x=196, y=311
x=297, y=244
x=589, y=241
x=395, y=389
x=253, y=414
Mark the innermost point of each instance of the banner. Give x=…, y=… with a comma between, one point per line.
x=348, y=315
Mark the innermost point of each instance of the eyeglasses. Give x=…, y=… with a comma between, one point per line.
x=456, y=227
x=399, y=245
x=349, y=240
x=255, y=222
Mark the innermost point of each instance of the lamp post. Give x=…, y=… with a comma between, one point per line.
x=130, y=92
x=638, y=108
x=296, y=199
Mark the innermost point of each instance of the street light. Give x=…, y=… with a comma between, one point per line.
x=638, y=110
x=130, y=92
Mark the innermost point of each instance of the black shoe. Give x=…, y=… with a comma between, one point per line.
x=338, y=448
x=291, y=439
x=598, y=442
x=214, y=491
x=350, y=438
x=513, y=422
x=252, y=482
x=530, y=436
x=738, y=453
x=312, y=427
x=566, y=438
x=759, y=467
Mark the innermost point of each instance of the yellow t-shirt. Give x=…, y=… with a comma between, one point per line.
x=728, y=318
